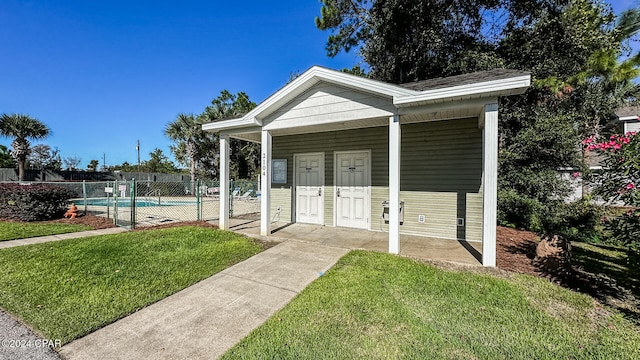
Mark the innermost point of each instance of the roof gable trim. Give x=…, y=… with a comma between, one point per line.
x=516, y=84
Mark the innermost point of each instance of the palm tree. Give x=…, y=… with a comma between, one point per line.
x=22, y=127
x=185, y=131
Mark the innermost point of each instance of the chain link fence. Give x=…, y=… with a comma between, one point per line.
x=132, y=203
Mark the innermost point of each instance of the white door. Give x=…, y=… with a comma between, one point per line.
x=352, y=189
x=309, y=186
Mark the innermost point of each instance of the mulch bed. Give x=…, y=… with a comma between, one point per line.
x=96, y=222
x=515, y=250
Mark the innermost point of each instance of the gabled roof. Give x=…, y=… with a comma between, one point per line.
x=494, y=83
x=628, y=113
x=464, y=79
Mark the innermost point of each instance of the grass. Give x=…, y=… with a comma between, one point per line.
x=66, y=289
x=22, y=230
x=611, y=279
x=379, y=306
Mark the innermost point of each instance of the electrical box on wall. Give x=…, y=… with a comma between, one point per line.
x=385, y=211
x=421, y=219
x=460, y=221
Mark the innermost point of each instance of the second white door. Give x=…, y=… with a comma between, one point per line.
x=352, y=189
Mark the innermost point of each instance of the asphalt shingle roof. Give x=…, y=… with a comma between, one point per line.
x=464, y=79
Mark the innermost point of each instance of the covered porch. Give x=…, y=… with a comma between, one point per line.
x=459, y=252
x=404, y=166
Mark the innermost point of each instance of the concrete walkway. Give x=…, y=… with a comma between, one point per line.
x=206, y=319
x=74, y=235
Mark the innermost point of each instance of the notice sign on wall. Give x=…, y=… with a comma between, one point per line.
x=279, y=171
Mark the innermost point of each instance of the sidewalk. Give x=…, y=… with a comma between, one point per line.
x=74, y=235
x=206, y=319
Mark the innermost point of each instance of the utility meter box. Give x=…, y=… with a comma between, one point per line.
x=385, y=211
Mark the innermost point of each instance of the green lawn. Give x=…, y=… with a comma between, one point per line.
x=608, y=276
x=379, y=306
x=22, y=230
x=66, y=289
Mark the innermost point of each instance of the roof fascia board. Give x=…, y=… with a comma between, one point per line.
x=628, y=118
x=519, y=83
x=230, y=124
x=446, y=105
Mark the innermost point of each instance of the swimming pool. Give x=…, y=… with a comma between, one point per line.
x=126, y=202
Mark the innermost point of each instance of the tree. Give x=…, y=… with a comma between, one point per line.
x=406, y=40
x=559, y=42
x=6, y=160
x=186, y=131
x=71, y=162
x=125, y=166
x=200, y=150
x=244, y=155
x=159, y=163
x=93, y=165
x=43, y=157
x=22, y=128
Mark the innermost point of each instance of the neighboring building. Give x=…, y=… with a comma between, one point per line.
x=628, y=116
x=630, y=122
x=342, y=150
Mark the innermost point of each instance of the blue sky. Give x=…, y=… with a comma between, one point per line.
x=103, y=74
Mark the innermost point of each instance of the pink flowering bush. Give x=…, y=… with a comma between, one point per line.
x=619, y=180
x=620, y=177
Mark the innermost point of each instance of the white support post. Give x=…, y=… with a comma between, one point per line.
x=394, y=184
x=223, y=223
x=489, y=183
x=265, y=184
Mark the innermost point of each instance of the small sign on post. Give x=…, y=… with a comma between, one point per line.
x=108, y=190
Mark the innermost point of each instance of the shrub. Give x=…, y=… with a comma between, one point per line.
x=577, y=221
x=33, y=202
x=517, y=210
x=624, y=229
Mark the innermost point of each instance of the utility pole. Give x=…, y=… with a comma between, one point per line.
x=138, y=149
x=104, y=161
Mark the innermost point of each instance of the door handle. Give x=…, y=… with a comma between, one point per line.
x=338, y=192
x=319, y=191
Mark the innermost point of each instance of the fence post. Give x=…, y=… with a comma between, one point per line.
x=231, y=198
x=115, y=202
x=84, y=195
x=108, y=205
x=133, y=203
x=198, y=201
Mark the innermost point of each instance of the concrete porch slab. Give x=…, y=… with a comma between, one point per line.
x=461, y=252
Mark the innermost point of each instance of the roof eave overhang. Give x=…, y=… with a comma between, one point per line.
x=628, y=118
x=503, y=87
x=231, y=124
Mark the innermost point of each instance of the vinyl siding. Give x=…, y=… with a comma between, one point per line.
x=281, y=198
x=632, y=126
x=326, y=102
x=441, y=171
